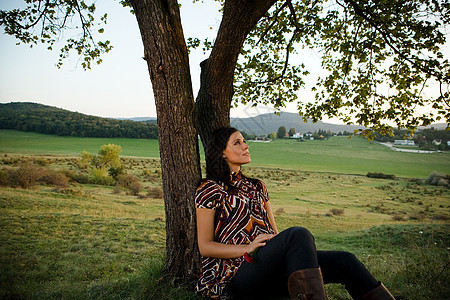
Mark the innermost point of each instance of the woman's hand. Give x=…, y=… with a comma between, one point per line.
x=208, y=247
x=259, y=241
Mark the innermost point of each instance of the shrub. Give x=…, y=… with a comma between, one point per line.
x=155, y=192
x=55, y=178
x=4, y=178
x=114, y=172
x=77, y=177
x=135, y=187
x=380, y=175
x=279, y=211
x=129, y=182
x=438, y=179
x=398, y=217
x=100, y=176
x=25, y=176
x=416, y=216
x=337, y=211
x=28, y=176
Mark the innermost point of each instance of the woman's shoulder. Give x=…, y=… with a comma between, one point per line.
x=257, y=182
x=260, y=185
x=209, y=194
x=208, y=184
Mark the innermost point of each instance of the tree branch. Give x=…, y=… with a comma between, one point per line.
x=372, y=20
x=272, y=24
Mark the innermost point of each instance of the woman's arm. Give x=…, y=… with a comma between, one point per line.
x=271, y=217
x=210, y=248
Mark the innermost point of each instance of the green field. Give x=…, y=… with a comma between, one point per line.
x=336, y=155
x=91, y=241
x=347, y=156
x=12, y=141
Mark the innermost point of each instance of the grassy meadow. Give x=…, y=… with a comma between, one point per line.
x=91, y=241
x=12, y=141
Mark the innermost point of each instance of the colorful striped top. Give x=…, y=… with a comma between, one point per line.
x=240, y=216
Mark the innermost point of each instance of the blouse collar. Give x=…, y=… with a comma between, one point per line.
x=236, y=177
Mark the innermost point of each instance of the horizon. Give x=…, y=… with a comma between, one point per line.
x=145, y=118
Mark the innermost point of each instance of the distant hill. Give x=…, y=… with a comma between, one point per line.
x=140, y=119
x=27, y=116
x=267, y=123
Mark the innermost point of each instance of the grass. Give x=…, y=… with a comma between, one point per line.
x=92, y=242
x=347, y=156
x=12, y=141
x=57, y=245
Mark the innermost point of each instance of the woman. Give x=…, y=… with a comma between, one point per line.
x=244, y=256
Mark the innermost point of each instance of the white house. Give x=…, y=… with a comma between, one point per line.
x=297, y=135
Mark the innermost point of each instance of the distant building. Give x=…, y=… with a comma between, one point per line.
x=297, y=135
x=404, y=142
x=437, y=142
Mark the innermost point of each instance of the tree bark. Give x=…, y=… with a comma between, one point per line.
x=167, y=59
x=216, y=81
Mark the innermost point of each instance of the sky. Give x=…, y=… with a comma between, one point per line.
x=120, y=87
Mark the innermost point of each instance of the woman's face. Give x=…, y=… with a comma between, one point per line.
x=236, y=153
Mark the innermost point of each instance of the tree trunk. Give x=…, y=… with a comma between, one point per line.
x=167, y=59
x=216, y=81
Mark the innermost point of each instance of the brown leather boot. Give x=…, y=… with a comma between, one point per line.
x=379, y=293
x=307, y=284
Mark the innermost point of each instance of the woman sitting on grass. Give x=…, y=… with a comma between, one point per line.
x=244, y=256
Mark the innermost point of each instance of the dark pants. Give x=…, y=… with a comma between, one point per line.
x=292, y=250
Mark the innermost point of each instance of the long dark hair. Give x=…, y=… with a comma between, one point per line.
x=217, y=168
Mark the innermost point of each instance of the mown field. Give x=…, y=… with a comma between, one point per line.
x=91, y=241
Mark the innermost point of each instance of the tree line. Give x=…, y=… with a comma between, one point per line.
x=27, y=116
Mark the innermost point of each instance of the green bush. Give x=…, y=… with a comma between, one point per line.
x=380, y=175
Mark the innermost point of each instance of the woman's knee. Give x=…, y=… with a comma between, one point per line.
x=349, y=257
x=348, y=261
x=299, y=232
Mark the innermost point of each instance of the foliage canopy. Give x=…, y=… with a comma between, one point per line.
x=377, y=57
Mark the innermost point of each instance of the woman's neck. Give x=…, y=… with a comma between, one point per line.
x=234, y=168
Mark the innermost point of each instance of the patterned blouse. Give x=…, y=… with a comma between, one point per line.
x=240, y=216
